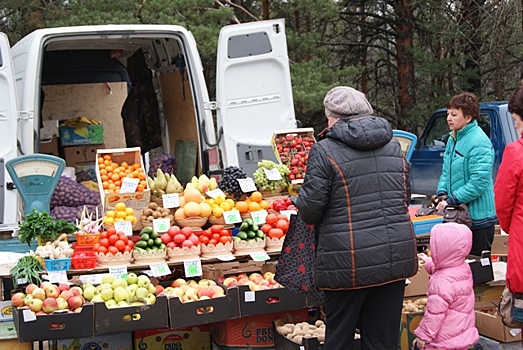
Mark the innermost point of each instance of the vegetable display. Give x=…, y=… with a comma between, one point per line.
x=72, y=214
x=229, y=182
x=164, y=161
x=41, y=224
x=57, y=249
x=69, y=193
x=28, y=268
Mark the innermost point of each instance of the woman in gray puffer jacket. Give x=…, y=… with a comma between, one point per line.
x=356, y=194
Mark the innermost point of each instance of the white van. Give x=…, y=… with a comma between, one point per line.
x=57, y=74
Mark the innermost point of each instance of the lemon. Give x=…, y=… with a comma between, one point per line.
x=131, y=218
x=120, y=206
x=129, y=211
x=108, y=220
x=219, y=199
x=121, y=214
x=230, y=202
x=217, y=212
x=110, y=214
x=225, y=206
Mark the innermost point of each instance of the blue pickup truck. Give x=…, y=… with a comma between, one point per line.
x=427, y=157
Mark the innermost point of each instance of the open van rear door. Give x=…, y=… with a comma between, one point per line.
x=8, y=132
x=253, y=92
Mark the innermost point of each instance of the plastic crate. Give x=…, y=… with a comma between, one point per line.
x=423, y=224
x=82, y=248
x=84, y=261
x=61, y=264
x=87, y=239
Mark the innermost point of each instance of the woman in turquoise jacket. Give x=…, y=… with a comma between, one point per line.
x=466, y=176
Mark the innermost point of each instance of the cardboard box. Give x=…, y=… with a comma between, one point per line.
x=204, y=311
x=486, y=296
x=419, y=283
x=136, y=200
x=489, y=324
x=499, y=245
x=193, y=338
x=49, y=146
x=87, y=135
x=252, y=332
x=481, y=267
x=77, y=156
x=409, y=322
x=55, y=326
x=423, y=224
x=117, y=341
x=131, y=318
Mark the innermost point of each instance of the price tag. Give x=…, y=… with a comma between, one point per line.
x=129, y=185
x=57, y=276
x=192, y=268
x=259, y=256
x=92, y=279
x=28, y=315
x=250, y=296
x=485, y=261
x=171, y=200
x=232, y=216
x=22, y=281
x=160, y=269
x=124, y=226
x=247, y=185
x=118, y=271
x=273, y=174
x=288, y=213
x=161, y=225
x=215, y=193
x=228, y=257
x=259, y=217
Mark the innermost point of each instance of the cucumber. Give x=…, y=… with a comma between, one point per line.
x=153, y=234
x=141, y=244
x=150, y=242
x=251, y=234
x=147, y=230
x=157, y=241
x=260, y=234
x=242, y=235
x=144, y=237
x=138, y=249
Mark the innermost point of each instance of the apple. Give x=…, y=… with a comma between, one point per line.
x=143, y=281
x=66, y=294
x=158, y=288
x=111, y=303
x=131, y=278
x=141, y=292
x=150, y=299
x=52, y=291
x=217, y=291
x=119, y=282
x=75, y=302
x=255, y=276
x=76, y=290
x=36, y=304
x=178, y=291
x=173, y=230
x=220, y=279
x=17, y=299
x=107, y=278
x=123, y=303
x=186, y=231
x=121, y=294
x=40, y=313
x=38, y=293
x=63, y=286
x=89, y=292
x=45, y=284
x=49, y=304
x=30, y=287
x=62, y=303
x=107, y=293
x=97, y=298
x=27, y=299
x=208, y=292
x=229, y=280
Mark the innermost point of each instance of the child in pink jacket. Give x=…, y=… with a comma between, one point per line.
x=449, y=321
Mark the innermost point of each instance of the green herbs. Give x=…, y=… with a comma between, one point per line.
x=28, y=268
x=40, y=223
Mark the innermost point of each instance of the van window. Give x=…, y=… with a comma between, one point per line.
x=249, y=45
x=439, y=131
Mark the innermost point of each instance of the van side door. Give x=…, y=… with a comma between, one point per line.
x=8, y=132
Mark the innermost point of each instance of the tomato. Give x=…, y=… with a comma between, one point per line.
x=103, y=234
x=216, y=237
x=112, y=239
x=128, y=249
x=104, y=242
x=282, y=217
x=225, y=232
x=275, y=233
x=213, y=241
x=265, y=228
x=123, y=237
x=207, y=233
x=271, y=218
x=113, y=250
x=96, y=246
x=216, y=228
x=283, y=225
x=111, y=231
x=102, y=249
x=204, y=239
x=120, y=245
x=225, y=239
x=130, y=244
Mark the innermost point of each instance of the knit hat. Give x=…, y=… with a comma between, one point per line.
x=344, y=101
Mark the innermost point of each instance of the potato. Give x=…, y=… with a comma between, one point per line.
x=297, y=339
x=319, y=323
x=153, y=205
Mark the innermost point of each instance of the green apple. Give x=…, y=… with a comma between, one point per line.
x=123, y=303
x=107, y=278
x=150, y=299
x=143, y=281
x=121, y=294
x=111, y=303
x=107, y=294
x=141, y=292
x=97, y=299
x=90, y=292
x=151, y=288
x=131, y=278
x=119, y=282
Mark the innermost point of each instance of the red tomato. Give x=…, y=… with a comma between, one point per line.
x=283, y=225
x=216, y=237
x=265, y=228
x=123, y=237
x=282, y=217
x=102, y=249
x=213, y=241
x=271, y=219
x=225, y=239
x=225, y=232
x=96, y=246
x=128, y=248
x=103, y=234
x=104, y=242
x=207, y=233
x=130, y=244
x=112, y=239
x=216, y=228
x=113, y=250
x=120, y=245
x=111, y=231
x=204, y=239
x=275, y=233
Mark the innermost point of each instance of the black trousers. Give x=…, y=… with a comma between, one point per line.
x=376, y=311
x=482, y=240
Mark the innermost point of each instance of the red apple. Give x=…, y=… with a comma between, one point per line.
x=208, y=292
x=159, y=288
x=66, y=294
x=178, y=282
x=17, y=299
x=49, y=305
x=52, y=291
x=30, y=287
x=76, y=290
x=75, y=302
x=63, y=286
x=38, y=293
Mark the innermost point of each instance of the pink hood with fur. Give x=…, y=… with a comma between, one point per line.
x=449, y=320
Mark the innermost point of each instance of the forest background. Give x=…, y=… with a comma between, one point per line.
x=408, y=56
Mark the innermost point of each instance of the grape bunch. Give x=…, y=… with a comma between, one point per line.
x=229, y=183
x=261, y=180
x=166, y=162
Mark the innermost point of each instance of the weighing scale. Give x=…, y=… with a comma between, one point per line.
x=35, y=177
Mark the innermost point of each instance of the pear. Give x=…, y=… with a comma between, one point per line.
x=204, y=180
x=171, y=186
x=189, y=185
x=150, y=182
x=194, y=181
x=213, y=184
x=159, y=181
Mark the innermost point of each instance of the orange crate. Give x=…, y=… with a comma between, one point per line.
x=87, y=239
x=83, y=261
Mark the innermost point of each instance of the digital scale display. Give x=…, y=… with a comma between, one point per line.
x=35, y=177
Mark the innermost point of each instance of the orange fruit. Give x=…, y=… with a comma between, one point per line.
x=100, y=160
x=104, y=178
x=124, y=164
x=115, y=177
x=107, y=157
x=256, y=196
x=109, y=168
x=264, y=204
x=242, y=206
x=254, y=206
x=103, y=171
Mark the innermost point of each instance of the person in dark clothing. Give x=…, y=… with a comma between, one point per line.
x=356, y=193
